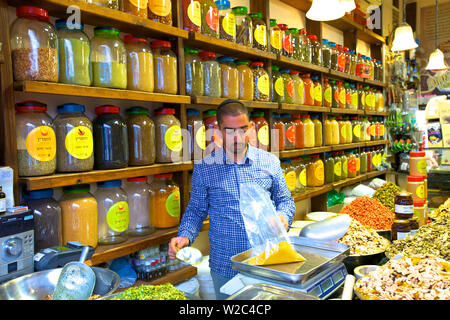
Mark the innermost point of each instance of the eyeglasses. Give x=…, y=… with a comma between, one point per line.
x=236, y=131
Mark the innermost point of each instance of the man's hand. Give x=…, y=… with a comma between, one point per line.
x=176, y=244
x=284, y=221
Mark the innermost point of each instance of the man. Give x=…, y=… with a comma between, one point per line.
x=215, y=192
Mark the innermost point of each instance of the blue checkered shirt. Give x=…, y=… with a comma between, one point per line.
x=215, y=192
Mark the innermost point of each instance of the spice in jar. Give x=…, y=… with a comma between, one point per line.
x=246, y=84
x=334, y=94
x=259, y=31
x=329, y=168
x=333, y=56
x=277, y=85
x=279, y=131
x=196, y=129
x=400, y=229
x=289, y=174
x=138, y=199
x=289, y=127
x=327, y=131
x=298, y=87
x=160, y=11
x=276, y=37
x=316, y=50
x=165, y=204
x=230, y=78
x=309, y=89
x=306, y=47
x=335, y=130
x=317, y=131
x=420, y=211
x=415, y=185
x=287, y=45
x=141, y=137
x=193, y=72
x=288, y=86
x=212, y=75
x=296, y=48
x=135, y=7
x=327, y=93
x=315, y=172
x=210, y=18
x=112, y=4
x=168, y=136
x=404, y=205
x=317, y=91
x=337, y=166
x=326, y=54
x=310, y=133
x=262, y=130
x=244, y=27
x=165, y=67
x=139, y=64
x=261, y=81
x=192, y=15
x=227, y=21
x=299, y=131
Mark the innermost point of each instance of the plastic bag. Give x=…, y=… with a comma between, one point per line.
x=377, y=183
x=267, y=236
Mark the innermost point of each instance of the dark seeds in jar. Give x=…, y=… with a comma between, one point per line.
x=160, y=11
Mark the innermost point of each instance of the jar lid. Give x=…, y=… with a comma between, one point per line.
x=207, y=55
x=109, y=184
x=210, y=113
x=31, y=105
x=306, y=75
x=294, y=72
x=293, y=30
x=32, y=12
x=70, y=107
x=62, y=23
x=314, y=156
x=400, y=221
x=109, y=30
x=325, y=40
x=332, y=44
x=137, y=179
x=283, y=26
x=37, y=194
x=312, y=37
x=162, y=111
x=275, y=68
x=239, y=62
x=106, y=109
x=193, y=112
x=222, y=4
x=415, y=178
x=302, y=31
x=255, y=15
x=225, y=59
x=285, y=115
x=417, y=153
x=257, y=64
x=296, y=116
x=137, y=110
x=285, y=160
x=164, y=176
x=77, y=188
x=285, y=71
x=160, y=44
x=130, y=38
x=190, y=50
x=418, y=203
x=240, y=11
x=258, y=114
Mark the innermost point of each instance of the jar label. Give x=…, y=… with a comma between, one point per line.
x=290, y=88
x=302, y=177
x=118, y=217
x=260, y=35
x=275, y=39
x=212, y=19
x=363, y=99
x=344, y=132
x=402, y=235
x=173, y=206
x=352, y=165
x=327, y=95
x=342, y=97
x=374, y=160
x=422, y=166
x=420, y=191
x=319, y=172
x=229, y=24
x=357, y=130
x=291, y=180
x=279, y=87
x=355, y=99
x=381, y=130
x=263, y=135
x=301, y=91
x=338, y=168
x=345, y=168
x=194, y=13
x=41, y=143
x=348, y=98
x=200, y=137
x=318, y=93
x=141, y=4
x=79, y=142
x=263, y=84
x=160, y=8
x=406, y=209
x=173, y=138
x=290, y=134
x=287, y=44
x=358, y=164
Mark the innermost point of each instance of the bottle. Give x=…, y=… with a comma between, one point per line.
x=287, y=46
x=309, y=128
x=348, y=95
x=344, y=165
x=318, y=141
x=359, y=66
x=317, y=91
x=337, y=166
x=335, y=136
x=328, y=134
x=307, y=55
x=342, y=130
x=309, y=89
x=329, y=168
x=348, y=130
x=327, y=93
x=342, y=98
x=334, y=94
x=333, y=56
x=276, y=37
x=326, y=54
x=2, y=201
x=316, y=50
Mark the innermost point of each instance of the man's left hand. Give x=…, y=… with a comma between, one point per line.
x=284, y=221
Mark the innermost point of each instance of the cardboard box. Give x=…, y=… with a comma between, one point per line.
x=444, y=111
x=446, y=134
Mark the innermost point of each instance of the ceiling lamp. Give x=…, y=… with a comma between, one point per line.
x=436, y=62
x=325, y=10
x=348, y=5
x=404, y=38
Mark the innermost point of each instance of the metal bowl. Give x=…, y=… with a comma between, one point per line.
x=353, y=261
x=38, y=285
x=385, y=234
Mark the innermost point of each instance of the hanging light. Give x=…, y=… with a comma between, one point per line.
x=348, y=5
x=325, y=10
x=436, y=61
x=404, y=38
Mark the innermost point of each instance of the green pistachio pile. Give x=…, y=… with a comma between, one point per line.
x=386, y=195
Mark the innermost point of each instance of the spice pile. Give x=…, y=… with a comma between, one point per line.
x=409, y=278
x=386, y=195
x=370, y=213
x=363, y=240
x=442, y=210
x=149, y=292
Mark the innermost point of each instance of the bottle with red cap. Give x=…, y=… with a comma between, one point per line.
x=139, y=64
x=165, y=67
x=36, y=140
x=168, y=136
x=316, y=50
x=261, y=81
x=34, y=45
x=165, y=204
x=110, y=138
x=138, y=198
x=212, y=76
x=287, y=45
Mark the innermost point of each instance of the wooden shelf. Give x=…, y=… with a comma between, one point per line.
x=312, y=192
x=68, y=179
x=345, y=146
x=95, y=92
x=249, y=104
x=101, y=16
x=376, y=113
x=174, y=277
x=291, y=62
x=301, y=152
x=376, y=83
x=343, y=75
x=299, y=107
x=376, y=143
x=346, y=111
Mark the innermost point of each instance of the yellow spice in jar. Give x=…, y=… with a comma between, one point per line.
x=140, y=71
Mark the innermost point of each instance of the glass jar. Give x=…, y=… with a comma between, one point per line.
x=276, y=37
x=341, y=58
x=335, y=130
x=210, y=18
x=138, y=198
x=139, y=64
x=34, y=46
x=113, y=212
x=299, y=131
x=135, y=7
x=337, y=166
x=289, y=174
x=47, y=218
x=329, y=168
x=79, y=215
x=347, y=60
x=310, y=133
x=279, y=129
x=306, y=46
x=74, y=139
x=108, y=59
x=261, y=81
x=196, y=129
x=165, y=66
x=160, y=11
x=318, y=141
x=277, y=85
x=227, y=21
x=356, y=127
x=74, y=50
x=230, y=78
x=326, y=54
x=192, y=15
x=141, y=137
x=36, y=140
x=110, y=138
x=415, y=185
x=165, y=205
x=211, y=74
x=262, y=130
x=259, y=31
x=169, y=141
x=244, y=27
x=327, y=93
x=317, y=91
x=333, y=56
x=289, y=128
x=352, y=62
x=400, y=229
x=316, y=50
x=300, y=174
x=193, y=72
x=112, y=4
x=316, y=172
x=296, y=49
x=404, y=205
x=328, y=135
x=298, y=87
x=246, y=84
x=309, y=89
x=288, y=86
x=287, y=46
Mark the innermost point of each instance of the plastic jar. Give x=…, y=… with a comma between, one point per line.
x=47, y=218
x=193, y=72
x=299, y=131
x=246, y=84
x=165, y=67
x=287, y=44
x=135, y=7
x=334, y=94
x=420, y=211
x=141, y=137
x=212, y=127
x=288, y=86
x=74, y=139
x=110, y=138
x=300, y=169
x=333, y=56
x=289, y=174
x=329, y=168
x=363, y=162
x=262, y=130
x=108, y=59
x=74, y=50
x=310, y=139
x=400, y=229
x=318, y=92
x=210, y=18
x=318, y=141
x=112, y=4
x=337, y=166
x=244, y=27
x=347, y=60
x=279, y=127
x=169, y=141
x=196, y=129
x=356, y=127
x=351, y=165
x=348, y=95
x=341, y=94
x=296, y=48
x=344, y=161
x=34, y=46
x=230, y=78
x=327, y=93
x=327, y=130
x=36, y=140
x=341, y=58
x=192, y=15
x=211, y=74
x=79, y=215
x=227, y=21
x=404, y=205
x=113, y=212
x=349, y=130
x=326, y=54
x=276, y=37
x=366, y=129
x=289, y=127
x=342, y=130
x=354, y=98
x=259, y=31
x=315, y=172
x=334, y=130
x=306, y=46
x=140, y=71
x=316, y=50
x=352, y=62
x=309, y=89
x=165, y=204
x=417, y=163
x=138, y=198
x=261, y=81
x=415, y=185
x=299, y=89
x=160, y=11
x=277, y=85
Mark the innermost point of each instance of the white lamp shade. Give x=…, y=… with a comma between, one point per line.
x=436, y=61
x=348, y=5
x=403, y=38
x=325, y=10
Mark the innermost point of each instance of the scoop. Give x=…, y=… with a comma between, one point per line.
x=190, y=255
x=76, y=281
x=330, y=229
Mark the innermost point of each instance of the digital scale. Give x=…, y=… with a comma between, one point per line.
x=59, y=256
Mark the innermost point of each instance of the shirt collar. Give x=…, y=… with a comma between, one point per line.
x=250, y=156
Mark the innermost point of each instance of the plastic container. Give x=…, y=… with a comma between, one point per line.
x=299, y=88
x=140, y=71
x=279, y=128
x=261, y=81
x=318, y=141
x=34, y=46
x=309, y=89
x=259, y=31
x=227, y=21
x=348, y=130
x=420, y=211
x=160, y=11
x=342, y=95
x=337, y=166
x=277, y=85
x=326, y=54
x=415, y=185
x=169, y=141
x=141, y=137
x=296, y=47
x=138, y=198
x=356, y=127
x=276, y=37
x=246, y=84
x=193, y=72
x=329, y=168
x=212, y=127
x=138, y=8
x=316, y=50
x=300, y=175
x=344, y=161
x=334, y=94
x=318, y=92
x=287, y=44
x=212, y=75
x=315, y=172
x=196, y=129
x=306, y=46
x=165, y=67
x=289, y=174
x=165, y=204
x=288, y=86
x=327, y=93
x=110, y=138
x=230, y=78
x=262, y=130
x=333, y=56
x=210, y=18
x=404, y=205
x=309, y=127
x=299, y=131
x=289, y=127
x=417, y=163
x=244, y=26
x=36, y=140
x=192, y=15
x=327, y=130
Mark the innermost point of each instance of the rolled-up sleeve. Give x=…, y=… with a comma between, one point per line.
x=281, y=196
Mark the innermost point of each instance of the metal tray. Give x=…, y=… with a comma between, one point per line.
x=319, y=256
x=269, y=292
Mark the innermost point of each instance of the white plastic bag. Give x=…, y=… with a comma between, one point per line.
x=362, y=190
x=377, y=183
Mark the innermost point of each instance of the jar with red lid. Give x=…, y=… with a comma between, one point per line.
x=110, y=138
x=212, y=75
x=262, y=130
x=415, y=185
x=34, y=45
x=165, y=202
x=169, y=141
x=261, y=81
x=316, y=50
x=192, y=15
x=212, y=134
x=139, y=64
x=165, y=67
x=420, y=211
x=287, y=45
x=341, y=58
x=138, y=198
x=36, y=139
x=417, y=163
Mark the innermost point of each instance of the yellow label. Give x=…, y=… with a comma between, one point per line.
x=319, y=172
x=263, y=84
x=358, y=164
x=291, y=180
x=229, y=24
x=173, y=204
x=327, y=94
x=279, y=87
x=302, y=177
x=344, y=132
x=357, y=130
x=275, y=39
x=263, y=135
x=381, y=131
x=194, y=13
x=160, y=8
x=173, y=138
x=363, y=99
x=41, y=143
x=301, y=91
x=420, y=191
x=372, y=130
x=345, y=168
x=200, y=137
x=374, y=160
x=355, y=99
x=260, y=35
x=118, y=217
x=338, y=168
x=342, y=97
x=141, y=4
x=318, y=93
x=422, y=166
x=79, y=142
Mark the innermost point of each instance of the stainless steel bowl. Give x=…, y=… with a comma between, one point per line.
x=353, y=261
x=385, y=234
x=38, y=285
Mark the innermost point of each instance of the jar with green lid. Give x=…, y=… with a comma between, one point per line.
x=261, y=81
x=316, y=50
x=329, y=168
x=112, y=4
x=276, y=37
x=337, y=160
x=288, y=86
x=259, y=31
x=193, y=72
x=289, y=174
x=363, y=162
x=141, y=137
x=229, y=77
x=244, y=26
x=334, y=94
x=108, y=59
x=74, y=50
x=326, y=54
x=277, y=85
x=333, y=56
x=344, y=161
x=246, y=84
x=296, y=49
x=212, y=78
x=140, y=71
x=227, y=21
x=210, y=18
x=306, y=46
x=165, y=66
x=356, y=127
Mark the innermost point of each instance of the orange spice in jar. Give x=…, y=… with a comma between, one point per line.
x=165, y=204
x=299, y=131
x=135, y=7
x=327, y=93
x=309, y=89
x=279, y=126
